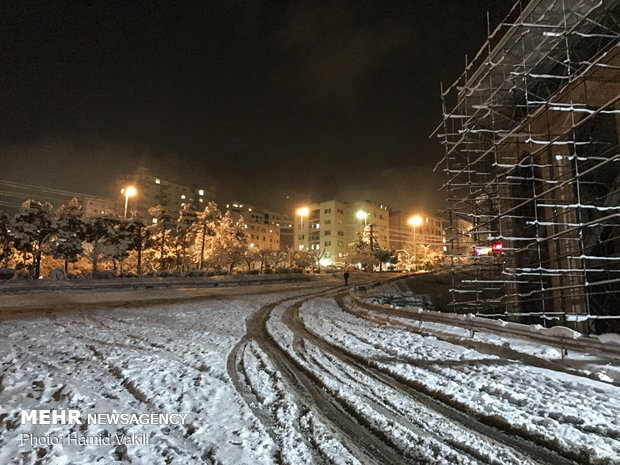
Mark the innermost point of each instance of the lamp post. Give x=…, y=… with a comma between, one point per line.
x=362, y=215
x=129, y=192
x=415, y=221
x=302, y=212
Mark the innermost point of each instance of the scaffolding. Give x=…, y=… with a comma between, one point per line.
x=530, y=131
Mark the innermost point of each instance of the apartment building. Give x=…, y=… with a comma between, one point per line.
x=266, y=228
x=153, y=189
x=329, y=227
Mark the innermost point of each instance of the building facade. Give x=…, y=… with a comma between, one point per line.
x=327, y=228
x=154, y=189
x=267, y=229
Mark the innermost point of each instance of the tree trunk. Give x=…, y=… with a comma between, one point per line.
x=37, y=265
x=66, y=266
x=139, y=267
x=161, y=251
x=183, y=252
x=202, y=246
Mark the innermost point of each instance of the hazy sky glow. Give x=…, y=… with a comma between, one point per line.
x=313, y=100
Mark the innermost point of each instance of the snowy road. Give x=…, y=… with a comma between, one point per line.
x=281, y=374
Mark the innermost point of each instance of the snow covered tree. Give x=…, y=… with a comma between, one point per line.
x=184, y=234
x=265, y=258
x=160, y=232
x=361, y=254
x=66, y=241
x=32, y=228
x=278, y=257
x=6, y=240
x=206, y=225
x=385, y=256
x=121, y=242
x=317, y=256
x=250, y=257
x=300, y=258
x=137, y=232
x=229, y=243
x=99, y=232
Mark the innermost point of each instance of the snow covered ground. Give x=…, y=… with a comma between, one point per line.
x=571, y=413
x=328, y=388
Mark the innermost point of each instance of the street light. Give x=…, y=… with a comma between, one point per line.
x=302, y=212
x=415, y=221
x=129, y=192
x=362, y=215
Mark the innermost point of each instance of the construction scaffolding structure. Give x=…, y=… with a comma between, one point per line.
x=530, y=131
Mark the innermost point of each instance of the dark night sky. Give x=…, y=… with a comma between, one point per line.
x=263, y=99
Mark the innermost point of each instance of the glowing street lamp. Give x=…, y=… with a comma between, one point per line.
x=302, y=212
x=129, y=192
x=362, y=215
x=415, y=221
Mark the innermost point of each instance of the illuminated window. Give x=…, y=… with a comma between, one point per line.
x=183, y=196
x=157, y=181
x=201, y=192
x=154, y=220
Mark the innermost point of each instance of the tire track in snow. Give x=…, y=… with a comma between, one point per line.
x=445, y=406
x=383, y=316
x=362, y=442
x=242, y=382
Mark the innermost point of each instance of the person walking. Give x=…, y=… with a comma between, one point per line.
x=346, y=278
